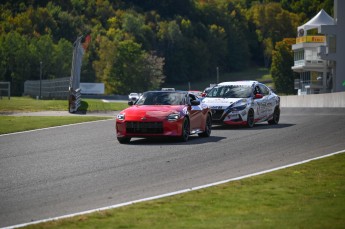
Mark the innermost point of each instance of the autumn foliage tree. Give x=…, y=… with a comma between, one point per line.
x=282, y=60
x=137, y=45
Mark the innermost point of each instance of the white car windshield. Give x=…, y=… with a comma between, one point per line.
x=230, y=91
x=162, y=98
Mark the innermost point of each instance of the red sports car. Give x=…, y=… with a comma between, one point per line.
x=164, y=113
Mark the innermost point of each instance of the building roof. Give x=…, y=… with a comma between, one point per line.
x=322, y=18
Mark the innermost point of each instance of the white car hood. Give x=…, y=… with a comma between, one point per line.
x=220, y=103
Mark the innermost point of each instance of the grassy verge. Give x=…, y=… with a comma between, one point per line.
x=98, y=105
x=11, y=124
x=311, y=195
x=27, y=104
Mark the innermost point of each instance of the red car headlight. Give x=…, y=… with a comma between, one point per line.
x=120, y=117
x=173, y=117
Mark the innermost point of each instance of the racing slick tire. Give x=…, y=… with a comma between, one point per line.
x=208, y=127
x=275, y=118
x=250, y=118
x=124, y=140
x=185, y=130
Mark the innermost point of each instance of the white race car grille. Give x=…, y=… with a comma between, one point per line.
x=217, y=114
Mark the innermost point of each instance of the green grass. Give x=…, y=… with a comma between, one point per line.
x=311, y=195
x=98, y=105
x=27, y=104
x=259, y=74
x=11, y=124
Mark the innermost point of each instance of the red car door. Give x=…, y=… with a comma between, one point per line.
x=195, y=114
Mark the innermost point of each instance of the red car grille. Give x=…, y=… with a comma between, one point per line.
x=144, y=127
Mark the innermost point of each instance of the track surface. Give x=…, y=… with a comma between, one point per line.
x=53, y=172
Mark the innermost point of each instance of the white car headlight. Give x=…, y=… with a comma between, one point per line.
x=120, y=117
x=173, y=117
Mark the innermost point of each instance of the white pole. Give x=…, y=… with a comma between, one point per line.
x=40, y=79
x=217, y=75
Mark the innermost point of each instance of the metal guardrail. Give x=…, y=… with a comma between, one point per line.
x=5, y=86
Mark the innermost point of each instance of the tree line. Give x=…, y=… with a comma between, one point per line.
x=139, y=45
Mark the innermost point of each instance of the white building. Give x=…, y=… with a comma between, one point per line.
x=319, y=53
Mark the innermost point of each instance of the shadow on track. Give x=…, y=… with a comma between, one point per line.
x=193, y=140
x=259, y=126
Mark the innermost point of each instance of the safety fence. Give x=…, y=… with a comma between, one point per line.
x=47, y=89
x=5, y=87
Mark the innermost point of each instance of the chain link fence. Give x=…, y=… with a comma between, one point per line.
x=5, y=87
x=50, y=89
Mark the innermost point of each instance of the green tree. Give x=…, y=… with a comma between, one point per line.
x=282, y=60
x=128, y=67
x=15, y=60
x=44, y=51
x=170, y=37
x=272, y=24
x=125, y=67
x=104, y=65
x=152, y=73
x=134, y=24
x=308, y=8
x=62, y=59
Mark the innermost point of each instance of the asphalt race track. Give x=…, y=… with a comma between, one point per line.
x=58, y=171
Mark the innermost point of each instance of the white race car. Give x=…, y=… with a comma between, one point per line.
x=133, y=96
x=243, y=103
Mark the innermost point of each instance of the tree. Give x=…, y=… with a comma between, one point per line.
x=272, y=24
x=134, y=68
x=125, y=67
x=15, y=60
x=152, y=73
x=308, y=8
x=62, y=59
x=104, y=65
x=282, y=60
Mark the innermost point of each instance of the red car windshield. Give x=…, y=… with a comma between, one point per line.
x=162, y=98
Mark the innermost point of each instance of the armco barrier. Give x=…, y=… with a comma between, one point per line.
x=316, y=100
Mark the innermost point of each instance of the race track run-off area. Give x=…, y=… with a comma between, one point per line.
x=59, y=171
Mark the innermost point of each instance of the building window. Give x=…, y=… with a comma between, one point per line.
x=311, y=54
x=299, y=55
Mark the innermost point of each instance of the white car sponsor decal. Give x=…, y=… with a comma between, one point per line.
x=219, y=103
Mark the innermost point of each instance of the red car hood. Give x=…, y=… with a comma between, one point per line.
x=148, y=112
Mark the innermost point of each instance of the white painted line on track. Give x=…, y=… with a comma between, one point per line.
x=53, y=127
x=173, y=193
